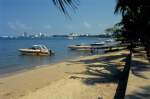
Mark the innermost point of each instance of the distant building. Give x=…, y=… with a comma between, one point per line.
x=73, y=34
x=25, y=34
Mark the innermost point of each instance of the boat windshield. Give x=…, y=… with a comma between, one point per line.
x=44, y=47
x=40, y=47
x=35, y=47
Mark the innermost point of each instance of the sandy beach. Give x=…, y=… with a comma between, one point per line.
x=139, y=79
x=90, y=77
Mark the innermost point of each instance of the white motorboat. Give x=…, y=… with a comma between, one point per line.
x=36, y=50
x=97, y=44
x=80, y=47
x=87, y=46
x=110, y=40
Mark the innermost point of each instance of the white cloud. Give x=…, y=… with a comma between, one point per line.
x=18, y=26
x=87, y=25
x=47, y=26
x=12, y=26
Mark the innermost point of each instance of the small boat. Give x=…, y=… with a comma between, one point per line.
x=80, y=47
x=70, y=37
x=36, y=50
x=97, y=44
x=86, y=46
x=110, y=40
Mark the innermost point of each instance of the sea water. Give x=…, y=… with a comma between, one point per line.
x=11, y=60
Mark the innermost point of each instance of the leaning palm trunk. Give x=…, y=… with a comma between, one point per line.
x=147, y=49
x=123, y=78
x=146, y=43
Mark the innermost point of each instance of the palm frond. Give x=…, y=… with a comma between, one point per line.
x=63, y=4
x=120, y=6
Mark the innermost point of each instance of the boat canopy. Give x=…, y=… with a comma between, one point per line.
x=39, y=47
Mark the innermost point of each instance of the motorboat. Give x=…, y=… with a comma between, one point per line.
x=110, y=40
x=80, y=47
x=70, y=37
x=36, y=50
x=86, y=46
x=97, y=44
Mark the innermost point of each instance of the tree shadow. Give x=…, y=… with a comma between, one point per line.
x=143, y=94
x=102, y=59
x=99, y=70
x=137, y=67
x=106, y=70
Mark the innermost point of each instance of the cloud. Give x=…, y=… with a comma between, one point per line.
x=87, y=25
x=18, y=26
x=12, y=26
x=48, y=26
x=103, y=25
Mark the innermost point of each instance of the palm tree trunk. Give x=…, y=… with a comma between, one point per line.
x=147, y=48
x=123, y=80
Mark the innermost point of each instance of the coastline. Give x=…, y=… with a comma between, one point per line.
x=4, y=75
x=22, y=84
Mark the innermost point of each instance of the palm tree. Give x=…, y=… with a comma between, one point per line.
x=136, y=25
x=135, y=19
x=129, y=15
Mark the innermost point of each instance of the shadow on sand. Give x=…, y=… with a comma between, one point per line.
x=107, y=70
x=137, y=67
x=100, y=70
x=144, y=93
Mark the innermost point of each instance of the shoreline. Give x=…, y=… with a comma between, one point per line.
x=73, y=71
x=3, y=75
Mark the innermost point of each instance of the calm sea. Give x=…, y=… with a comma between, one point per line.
x=12, y=61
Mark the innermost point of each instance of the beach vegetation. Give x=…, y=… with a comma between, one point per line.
x=115, y=32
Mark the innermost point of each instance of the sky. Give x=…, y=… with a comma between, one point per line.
x=34, y=16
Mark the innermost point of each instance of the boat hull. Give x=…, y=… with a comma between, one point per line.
x=73, y=47
x=84, y=47
x=34, y=52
